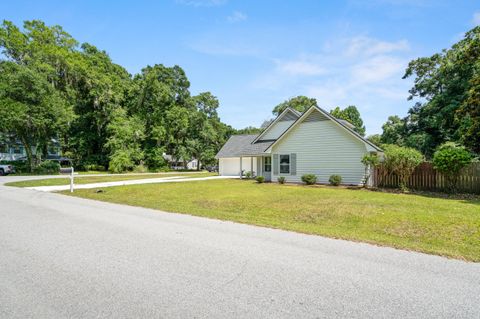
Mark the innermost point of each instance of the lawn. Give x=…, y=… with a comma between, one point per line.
x=86, y=179
x=448, y=227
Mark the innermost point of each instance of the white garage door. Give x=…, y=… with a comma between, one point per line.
x=229, y=166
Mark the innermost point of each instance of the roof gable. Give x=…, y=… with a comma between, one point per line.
x=316, y=113
x=281, y=122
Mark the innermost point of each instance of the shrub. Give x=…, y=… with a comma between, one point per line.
x=260, y=179
x=120, y=162
x=449, y=159
x=309, y=179
x=47, y=167
x=248, y=175
x=281, y=179
x=402, y=161
x=94, y=167
x=370, y=161
x=335, y=180
x=140, y=168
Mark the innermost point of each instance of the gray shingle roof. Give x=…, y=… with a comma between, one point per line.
x=241, y=145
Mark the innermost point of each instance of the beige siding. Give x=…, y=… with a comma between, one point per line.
x=323, y=148
x=276, y=130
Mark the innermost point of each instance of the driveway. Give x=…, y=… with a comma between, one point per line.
x=63, y=257
x=172, y=179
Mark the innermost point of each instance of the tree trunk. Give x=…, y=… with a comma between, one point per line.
x=28, y=150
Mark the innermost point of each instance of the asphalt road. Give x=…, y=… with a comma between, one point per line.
x=64, y=257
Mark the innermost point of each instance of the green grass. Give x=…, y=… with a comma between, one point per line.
x=448, y=227
x=86, y=179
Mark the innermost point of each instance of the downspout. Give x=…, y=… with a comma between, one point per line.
x=241, y=168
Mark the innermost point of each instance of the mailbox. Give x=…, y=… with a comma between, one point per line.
x=66, y=170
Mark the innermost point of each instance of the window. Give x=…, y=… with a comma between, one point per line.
x=268, y=164
x=284, y=164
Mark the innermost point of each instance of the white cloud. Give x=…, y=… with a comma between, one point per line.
x=366, y=46
x=476, y=18
x=376, y=69
x=360, y=71
x=202, y=3
x=237, y=16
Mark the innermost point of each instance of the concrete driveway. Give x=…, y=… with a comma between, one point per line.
x=65, y=257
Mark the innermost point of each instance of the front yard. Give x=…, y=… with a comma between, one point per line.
x=448, y=227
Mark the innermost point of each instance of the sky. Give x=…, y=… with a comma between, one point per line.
x=253, y=55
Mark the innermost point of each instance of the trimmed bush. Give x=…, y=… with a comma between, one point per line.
x=47, y=167
x=260, y=179
x=335, y=180
x=281, y=180
x=449, y=159
x=309, y=179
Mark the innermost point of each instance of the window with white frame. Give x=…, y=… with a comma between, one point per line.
x=284, y=164
x=268, y=164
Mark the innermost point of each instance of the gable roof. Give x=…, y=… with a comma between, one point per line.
x=288, y=111
x=242, y=145
x=329, y=116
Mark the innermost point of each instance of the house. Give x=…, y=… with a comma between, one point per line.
x=294, y=144
x=13, y=150
x=178, y=164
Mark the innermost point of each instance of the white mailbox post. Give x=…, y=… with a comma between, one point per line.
x=68, y=170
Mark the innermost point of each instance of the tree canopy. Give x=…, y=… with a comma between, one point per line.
x=352, y=115
x=447, y=90
x=300, y=103
x=54, y=87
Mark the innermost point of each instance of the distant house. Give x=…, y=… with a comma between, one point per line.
x=14, y=150
x=294, y=144
x=177, y=164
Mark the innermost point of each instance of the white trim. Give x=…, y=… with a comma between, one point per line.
x=275, y=121
x=368, y=144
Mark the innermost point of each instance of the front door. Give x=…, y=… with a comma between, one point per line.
x=267, y=168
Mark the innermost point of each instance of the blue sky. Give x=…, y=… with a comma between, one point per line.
x=254, y=54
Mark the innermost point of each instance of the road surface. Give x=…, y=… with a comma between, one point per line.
x=68, y=257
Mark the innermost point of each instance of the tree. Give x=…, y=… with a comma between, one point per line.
x=160, y=96
x=83, y=75
x=402, y=161
x=449, y=159
x=448, y=86
x=207, y=134
x=30, y=108
x=375, y=139
x=249, y=130
x=300, y=103
x=124, y=142
x=393, y=131
x=352, y=115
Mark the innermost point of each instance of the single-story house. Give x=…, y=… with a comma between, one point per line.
x=178, y=164
x=294, y=144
